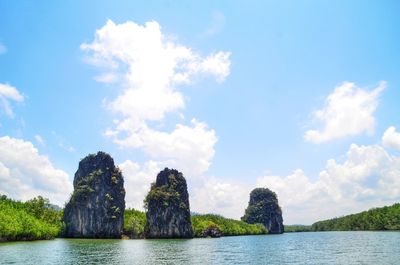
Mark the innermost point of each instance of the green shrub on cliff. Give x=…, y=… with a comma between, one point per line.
x=34, y=219
x=165, y=194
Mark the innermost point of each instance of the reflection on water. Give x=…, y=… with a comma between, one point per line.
x=296, y=248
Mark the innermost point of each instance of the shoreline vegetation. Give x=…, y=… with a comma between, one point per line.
x=31, y=220
x=37, y=219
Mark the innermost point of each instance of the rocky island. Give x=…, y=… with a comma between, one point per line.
x=263, y=208
x=97, y=204
x=167, y=203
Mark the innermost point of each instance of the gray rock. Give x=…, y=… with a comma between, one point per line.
x=167, y=203
x=96, y=208
x=263, y=208
x=212, y=231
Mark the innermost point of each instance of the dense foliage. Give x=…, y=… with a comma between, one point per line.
x=297, y=228
x=164, y=195
x=228, y=227
x=31, y=220
x=134, y=223
x=385, y=218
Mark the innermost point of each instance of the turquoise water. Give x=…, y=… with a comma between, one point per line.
x=290, y=248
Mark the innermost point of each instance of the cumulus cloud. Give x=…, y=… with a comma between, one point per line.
x=367, y=178
x=137, y=181
x=149, y=67
x=391, y=138
x=7, y=94
x=188, y=148
x=25, y=174
x=220, y=197
x=348, y=111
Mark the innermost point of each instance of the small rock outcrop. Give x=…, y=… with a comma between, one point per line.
x=212, y=231
x=167, y=203
x=263, y=208
x=96, y=208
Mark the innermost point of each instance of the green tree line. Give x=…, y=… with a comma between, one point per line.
x=384, y=218
x=228, y=227
x=31, y=220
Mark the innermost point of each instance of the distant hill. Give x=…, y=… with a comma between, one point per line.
x=384, y=218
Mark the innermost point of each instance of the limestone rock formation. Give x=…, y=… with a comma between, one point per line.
x=167, y=203
x=96, y=208
x=263, y=208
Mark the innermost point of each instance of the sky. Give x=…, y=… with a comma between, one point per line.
x=301, y=97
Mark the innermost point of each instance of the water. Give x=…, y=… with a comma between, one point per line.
x=291, y=248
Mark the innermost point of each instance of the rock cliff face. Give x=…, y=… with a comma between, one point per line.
x=96, y=208
x=168, y=211
x=263, y=208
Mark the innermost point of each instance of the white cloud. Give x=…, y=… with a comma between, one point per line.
x=367, y=178
x=391, y=138
x=348, y=111
x=25, y=174
x=138, y=180
x=220, y=197
x=150, y=67
x=9, y=93
x=3, y=49
x=188, y=148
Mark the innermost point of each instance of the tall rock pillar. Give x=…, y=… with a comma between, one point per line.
x=168, y=211
x=96, y=208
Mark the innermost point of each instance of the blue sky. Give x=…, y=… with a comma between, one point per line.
x=253, y=107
